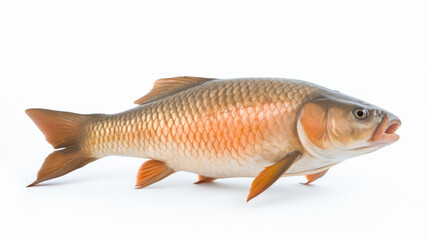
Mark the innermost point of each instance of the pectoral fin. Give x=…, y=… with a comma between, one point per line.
x=313, y=177
x=151, y=172
x=270, y=174
x=204, y=179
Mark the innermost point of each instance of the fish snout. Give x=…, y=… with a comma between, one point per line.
x=385, y=133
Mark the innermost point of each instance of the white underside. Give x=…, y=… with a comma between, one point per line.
x=227, y=168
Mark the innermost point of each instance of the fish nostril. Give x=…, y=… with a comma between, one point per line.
x=392, y=128
x=379, y=114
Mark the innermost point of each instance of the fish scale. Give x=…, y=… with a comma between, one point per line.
x=223, y=122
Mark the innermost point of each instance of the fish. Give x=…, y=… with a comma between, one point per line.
x=262, y=128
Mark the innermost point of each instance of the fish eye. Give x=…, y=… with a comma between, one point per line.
x=360, y=113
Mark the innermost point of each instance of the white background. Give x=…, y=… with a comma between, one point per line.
x=100, y=56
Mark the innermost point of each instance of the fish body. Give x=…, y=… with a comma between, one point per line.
x=221, y=128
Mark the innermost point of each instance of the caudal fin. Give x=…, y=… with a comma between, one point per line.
x=62, y=130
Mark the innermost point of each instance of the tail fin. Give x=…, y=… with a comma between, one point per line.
x=62, y=130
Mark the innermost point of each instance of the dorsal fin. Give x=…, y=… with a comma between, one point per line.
x=166, y=86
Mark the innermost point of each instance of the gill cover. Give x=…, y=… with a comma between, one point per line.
x=327, y=128
x=312, y=125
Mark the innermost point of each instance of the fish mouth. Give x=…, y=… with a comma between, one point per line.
x=385, y=133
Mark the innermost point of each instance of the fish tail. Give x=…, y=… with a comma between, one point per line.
x=63, y=130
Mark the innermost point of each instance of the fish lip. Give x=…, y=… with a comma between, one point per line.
x=385, y=133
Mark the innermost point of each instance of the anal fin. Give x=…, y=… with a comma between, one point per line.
x=313, y=177
x=151, y=172
x=204, y=179
x=270, y=175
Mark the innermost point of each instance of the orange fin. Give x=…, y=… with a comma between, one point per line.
x=60, y=163
x=270, y=174
x=203, y=179
x=151, y=172
x=167, y=86
x=313, y=177
x=62, y=130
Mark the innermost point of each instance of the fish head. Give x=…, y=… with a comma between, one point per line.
x=341, y=128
